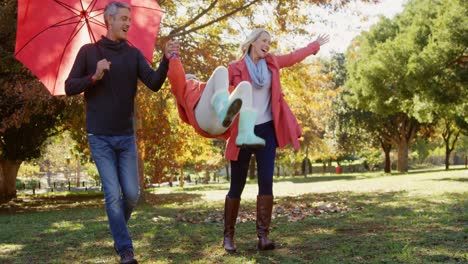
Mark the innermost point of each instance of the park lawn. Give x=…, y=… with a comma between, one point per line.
x=354, y=218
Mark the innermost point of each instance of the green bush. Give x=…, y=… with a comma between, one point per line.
x=26, y=183
x=19, y=184
x=28, y=170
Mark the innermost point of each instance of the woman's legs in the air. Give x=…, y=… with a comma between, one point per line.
x=216, y=109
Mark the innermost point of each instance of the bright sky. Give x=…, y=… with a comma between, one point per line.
x=343, y=25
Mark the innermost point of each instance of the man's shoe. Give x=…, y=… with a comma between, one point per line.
x=127, y=258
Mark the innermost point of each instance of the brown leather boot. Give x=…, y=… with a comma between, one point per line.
x=231, y=208
x=264, y=210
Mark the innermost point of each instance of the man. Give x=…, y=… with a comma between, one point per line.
x=107, y=72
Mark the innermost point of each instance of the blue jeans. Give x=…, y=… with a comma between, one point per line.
x=265, y=163
x=116, y=159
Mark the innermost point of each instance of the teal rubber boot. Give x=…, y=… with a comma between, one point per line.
x=246, y=137
x=226, y=110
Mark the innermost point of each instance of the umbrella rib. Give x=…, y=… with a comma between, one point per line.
x=45, y=29
x=96, y=22
x=91, y=19
x=82, y=7
x=90, y=32
x=92, y=5
x=72, y=36
x=150, y=8
x=68, y=7
x=64, y=24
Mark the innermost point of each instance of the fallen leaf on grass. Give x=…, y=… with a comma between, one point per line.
x=295, y=211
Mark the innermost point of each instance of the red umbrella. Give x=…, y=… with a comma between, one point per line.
x=50, y=33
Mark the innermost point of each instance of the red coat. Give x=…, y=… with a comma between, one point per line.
x=187, y=94
x=287, y=129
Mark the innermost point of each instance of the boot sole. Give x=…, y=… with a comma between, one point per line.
x=231, y=251
x=233, y=110
x=266, y=248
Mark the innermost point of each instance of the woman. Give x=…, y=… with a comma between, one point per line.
x=209, y=107
x=275, y=123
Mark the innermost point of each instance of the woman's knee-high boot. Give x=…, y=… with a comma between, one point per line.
x=264, y=210
x=231, y=208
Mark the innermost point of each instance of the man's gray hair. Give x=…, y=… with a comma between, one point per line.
x=112, y=9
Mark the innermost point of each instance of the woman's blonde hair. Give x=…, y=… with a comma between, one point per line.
x=245, y=46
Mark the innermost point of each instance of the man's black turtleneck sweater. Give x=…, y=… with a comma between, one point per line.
x=110, y=101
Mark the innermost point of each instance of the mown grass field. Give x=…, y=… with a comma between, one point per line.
x=420, y=217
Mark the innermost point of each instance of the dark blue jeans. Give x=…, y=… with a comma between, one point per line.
x=117, y=162
x=265, y=163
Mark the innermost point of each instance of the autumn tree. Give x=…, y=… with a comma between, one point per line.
x=207, y=32
x=204, y=28
x=28, y=113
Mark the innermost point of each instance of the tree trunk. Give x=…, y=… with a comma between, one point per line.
x=181, y=177
x=49, y=175
x=447, y=157
x=404, y=129
x=78, y=170
x=8, y=172
x=403, y=148
x=447, y=134
x=386, y=147
x=207, y=177
x=387, y=162
x=226, y=165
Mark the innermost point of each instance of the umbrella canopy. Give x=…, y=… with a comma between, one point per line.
x=51, y=32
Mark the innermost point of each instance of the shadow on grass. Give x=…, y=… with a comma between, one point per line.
x=56, y=202
x=379, y=227
x=51, y=235
x=170, y=198
x=52, y=202
x=206, y=187
x=428, y=171
x=193, y=188
x=302, y=179
x=452, y=179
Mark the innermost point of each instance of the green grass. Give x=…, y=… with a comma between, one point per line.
x=376, y=218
